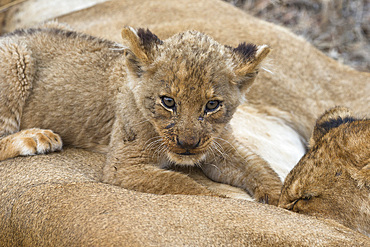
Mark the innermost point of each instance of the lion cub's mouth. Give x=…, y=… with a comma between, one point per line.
x=186, y=158
x=186, y=153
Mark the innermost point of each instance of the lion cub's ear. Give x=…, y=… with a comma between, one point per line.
x=141, y=45
x=249, y=58
x=332, y=118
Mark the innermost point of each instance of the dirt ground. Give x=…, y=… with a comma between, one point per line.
x=340, y=28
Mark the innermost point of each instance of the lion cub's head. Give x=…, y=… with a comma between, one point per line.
x=188, y=86
x=333, y=179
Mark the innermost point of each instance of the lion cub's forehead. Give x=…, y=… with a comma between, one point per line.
x=194, y=43
x=192, y=63
x=182, y=83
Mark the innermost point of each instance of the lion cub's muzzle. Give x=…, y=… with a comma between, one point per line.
x=188, y=144
x=187, y=150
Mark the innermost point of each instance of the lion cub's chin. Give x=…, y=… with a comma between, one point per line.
x=183, y=159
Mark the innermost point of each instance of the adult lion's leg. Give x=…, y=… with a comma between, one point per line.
x=16, y=77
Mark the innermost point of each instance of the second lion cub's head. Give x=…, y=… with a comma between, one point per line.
x=188, y=86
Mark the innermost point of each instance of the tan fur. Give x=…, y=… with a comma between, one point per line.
x=333, y=179
x=105, y=96
x=57, y=199
x=303, y=82
x=29, y=142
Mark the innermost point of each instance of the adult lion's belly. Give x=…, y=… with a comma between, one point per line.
x=269, y=137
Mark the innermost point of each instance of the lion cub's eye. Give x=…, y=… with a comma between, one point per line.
x=306, y=198
x=168, y=102
x=212, y=105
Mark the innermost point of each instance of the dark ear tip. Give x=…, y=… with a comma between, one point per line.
x=332, y=118
x=247, y=51
x=147, y=37
x=337, y=114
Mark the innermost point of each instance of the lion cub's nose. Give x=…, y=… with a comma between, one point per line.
x=188, y=143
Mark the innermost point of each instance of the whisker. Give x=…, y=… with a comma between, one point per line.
x=119, y=47
x=221, y=150
x=215, y=166
x=161, y=149
x=151, y=144
x=148, y=142
x=225, y=156
x=212, y=151
x=247, y=155
x=231, y=146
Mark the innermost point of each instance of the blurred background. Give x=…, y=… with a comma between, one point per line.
x=339, y=28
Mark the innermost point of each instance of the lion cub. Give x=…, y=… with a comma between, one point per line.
x=333, y=179
x=148, y=104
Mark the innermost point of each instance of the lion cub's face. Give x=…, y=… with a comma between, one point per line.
x=188, y=86
x=333, y=179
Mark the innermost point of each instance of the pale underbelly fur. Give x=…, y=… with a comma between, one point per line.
x=269, y=137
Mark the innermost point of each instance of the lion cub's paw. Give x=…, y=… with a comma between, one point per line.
x=37, y=141
x=267, y=196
